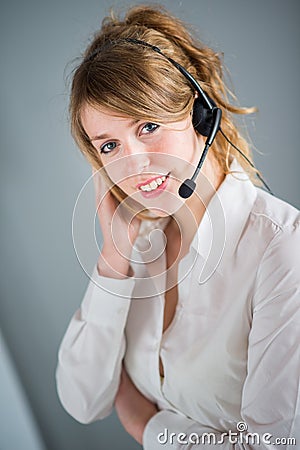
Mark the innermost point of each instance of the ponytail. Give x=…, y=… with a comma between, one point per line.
x=147, y=87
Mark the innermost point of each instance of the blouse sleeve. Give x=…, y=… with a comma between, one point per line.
x=270, y=408
x=91, y=352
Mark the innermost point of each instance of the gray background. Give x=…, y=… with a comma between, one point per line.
x=42, y=172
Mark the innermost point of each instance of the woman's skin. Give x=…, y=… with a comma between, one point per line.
x=138, y=151
x=133, y=408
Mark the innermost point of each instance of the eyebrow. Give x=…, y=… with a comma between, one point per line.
x=99, y=137
x=106, y=136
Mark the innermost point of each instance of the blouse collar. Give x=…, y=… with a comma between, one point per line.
x=225, y=218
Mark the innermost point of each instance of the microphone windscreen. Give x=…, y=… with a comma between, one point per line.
x=187, y=188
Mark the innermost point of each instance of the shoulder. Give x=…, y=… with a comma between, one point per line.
x=277, y=223
x=279, y=220
x=276, y=213
x=272, y=228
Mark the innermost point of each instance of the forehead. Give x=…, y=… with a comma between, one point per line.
x=96, y=119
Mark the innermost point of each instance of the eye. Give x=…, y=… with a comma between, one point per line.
x=108, y=147
x=150, y=127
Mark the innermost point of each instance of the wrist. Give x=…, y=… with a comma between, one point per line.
x=114, y=267
x=140, y=427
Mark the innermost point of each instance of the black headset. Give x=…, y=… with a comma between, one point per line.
x=206, y=119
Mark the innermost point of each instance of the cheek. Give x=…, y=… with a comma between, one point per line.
x=121, y=176
x=116, y=170
x=125, y=186
x=186, y=151
x=176, y=153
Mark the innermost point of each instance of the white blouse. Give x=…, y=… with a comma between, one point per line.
x=232, y=351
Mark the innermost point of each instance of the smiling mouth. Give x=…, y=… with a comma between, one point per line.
x=153, y=183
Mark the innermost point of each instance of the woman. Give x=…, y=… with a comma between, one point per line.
x=190, y=324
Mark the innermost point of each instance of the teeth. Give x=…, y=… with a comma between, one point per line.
x=153, y=185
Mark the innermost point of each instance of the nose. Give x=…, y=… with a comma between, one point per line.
x=139, y=158
x=142, y=163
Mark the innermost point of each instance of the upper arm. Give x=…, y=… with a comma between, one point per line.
x=270, y=400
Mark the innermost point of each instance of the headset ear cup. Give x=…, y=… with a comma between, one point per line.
x=202, y=118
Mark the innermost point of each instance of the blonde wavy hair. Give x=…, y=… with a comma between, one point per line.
x=133, y=80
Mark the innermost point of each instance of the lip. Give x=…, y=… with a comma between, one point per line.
x=151, y=179
x=159, y=190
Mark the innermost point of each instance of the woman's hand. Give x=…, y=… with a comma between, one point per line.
x=119, y=229
x=133, y=408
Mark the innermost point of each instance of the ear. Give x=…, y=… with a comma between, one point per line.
x=202, y=117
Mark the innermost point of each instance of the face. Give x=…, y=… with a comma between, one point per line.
x=146, y=160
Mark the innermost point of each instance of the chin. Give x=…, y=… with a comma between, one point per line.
x=166, y=211
x=158, y=213
x=162, y=207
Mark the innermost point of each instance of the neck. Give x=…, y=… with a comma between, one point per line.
x=189, y=216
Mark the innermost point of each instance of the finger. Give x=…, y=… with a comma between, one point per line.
x=99, y=183
x=103, y=197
